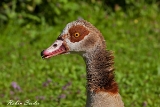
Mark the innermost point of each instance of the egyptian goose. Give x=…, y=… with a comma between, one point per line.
x=83, y=38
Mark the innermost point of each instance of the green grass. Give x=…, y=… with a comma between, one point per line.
x=60, y=81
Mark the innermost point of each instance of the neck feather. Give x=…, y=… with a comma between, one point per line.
x=100, y=71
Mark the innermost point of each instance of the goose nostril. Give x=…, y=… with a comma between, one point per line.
x=54, y=45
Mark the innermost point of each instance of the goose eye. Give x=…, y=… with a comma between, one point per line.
x=76, y=35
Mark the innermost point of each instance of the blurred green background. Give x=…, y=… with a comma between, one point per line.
x=131, y=29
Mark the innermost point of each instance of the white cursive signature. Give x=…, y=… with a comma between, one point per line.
x=27, y=102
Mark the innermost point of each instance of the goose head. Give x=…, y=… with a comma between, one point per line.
x=83, y=38
x=79, y=37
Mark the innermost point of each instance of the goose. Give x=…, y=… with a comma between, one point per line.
x=81, y=37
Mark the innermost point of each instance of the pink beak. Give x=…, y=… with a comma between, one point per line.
x=56, y=48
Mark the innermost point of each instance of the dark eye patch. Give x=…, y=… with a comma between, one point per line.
x=78, y=29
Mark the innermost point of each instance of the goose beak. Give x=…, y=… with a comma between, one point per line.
x=56, y=48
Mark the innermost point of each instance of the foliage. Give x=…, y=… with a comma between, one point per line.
x=58, y=12
x=132, y=34
x=40, y=11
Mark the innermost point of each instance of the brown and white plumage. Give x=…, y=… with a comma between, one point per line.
x=83, y=38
